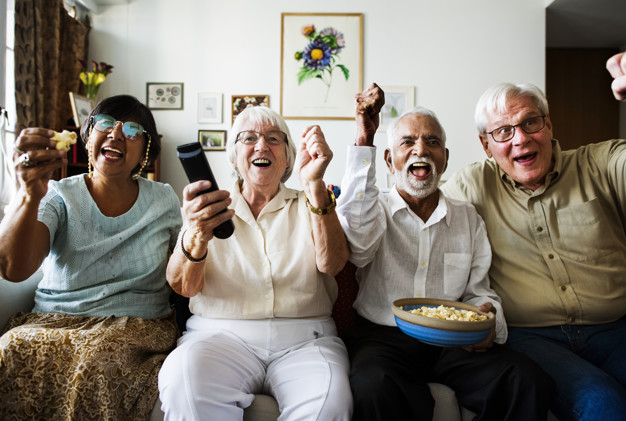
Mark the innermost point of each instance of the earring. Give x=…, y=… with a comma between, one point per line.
x=90, y=154
x=145, y=161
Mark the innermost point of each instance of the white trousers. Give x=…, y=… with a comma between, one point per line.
x=219, y=365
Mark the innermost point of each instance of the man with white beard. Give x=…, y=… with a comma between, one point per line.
x=414, y=242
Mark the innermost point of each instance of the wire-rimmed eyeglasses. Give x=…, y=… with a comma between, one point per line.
x=250, y=137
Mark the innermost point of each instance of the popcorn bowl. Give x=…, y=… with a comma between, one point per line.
x=440, y=332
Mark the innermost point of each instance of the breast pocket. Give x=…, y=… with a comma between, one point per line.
x=586, y=221
x=456, y=270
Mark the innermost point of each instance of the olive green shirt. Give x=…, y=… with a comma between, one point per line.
x=559, y=252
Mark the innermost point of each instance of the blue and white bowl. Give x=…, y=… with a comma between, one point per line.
x=439, y=332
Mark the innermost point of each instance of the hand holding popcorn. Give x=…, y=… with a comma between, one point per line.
x=64, y=139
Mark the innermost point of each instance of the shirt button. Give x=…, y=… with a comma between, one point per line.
x=563, y=287
x=539, y=229
x=360, y=195
x=423, y=263
x=366, y=161
x=551, y=256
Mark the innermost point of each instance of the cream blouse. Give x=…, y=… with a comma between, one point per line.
x=266, y=269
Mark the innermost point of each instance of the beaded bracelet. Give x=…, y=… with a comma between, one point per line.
x=186, y=253
x=323, y=211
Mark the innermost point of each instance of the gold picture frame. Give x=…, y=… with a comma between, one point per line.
x=241, y=102
x=81, y=108
x=212, y=140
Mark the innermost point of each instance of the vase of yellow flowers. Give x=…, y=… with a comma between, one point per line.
x=93, y=79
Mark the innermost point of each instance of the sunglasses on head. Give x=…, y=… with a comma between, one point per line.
x=105, y=123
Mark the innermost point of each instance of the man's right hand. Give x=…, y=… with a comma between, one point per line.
x=367, y=109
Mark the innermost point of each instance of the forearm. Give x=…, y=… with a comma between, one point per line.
x=186, y=277
x=24, y=241
x=331, y=247
x=361, y=214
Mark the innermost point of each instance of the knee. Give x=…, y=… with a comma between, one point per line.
x=606, y=401
x=373, y=383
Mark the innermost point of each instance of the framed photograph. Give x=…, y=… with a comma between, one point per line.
x=164, y=96
x=209, y=107
x=241, y=102
x=81, y=108
x=398, y=99
x=212, y=140
x=321, y=65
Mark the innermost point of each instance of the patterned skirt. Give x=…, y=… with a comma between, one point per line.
x=62, y=367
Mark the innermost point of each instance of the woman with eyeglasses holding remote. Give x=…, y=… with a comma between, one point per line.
x=262, y=298
x=102, y=325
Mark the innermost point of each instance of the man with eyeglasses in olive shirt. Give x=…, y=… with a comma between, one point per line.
x=556, y=222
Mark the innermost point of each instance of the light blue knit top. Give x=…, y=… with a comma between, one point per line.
x=103, y=266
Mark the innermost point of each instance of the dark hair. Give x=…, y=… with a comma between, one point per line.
x=122, y=108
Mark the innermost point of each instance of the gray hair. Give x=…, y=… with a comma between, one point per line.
x=391, y=131
x=494, y=99
x=263, y=116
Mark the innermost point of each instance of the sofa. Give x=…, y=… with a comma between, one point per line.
x=20, y=297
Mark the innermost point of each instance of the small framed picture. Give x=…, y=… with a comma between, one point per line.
x=241, y=102
x=165, y=96
x=398, y=99
x=209, y=107
x=81, y=108
x=212, y=140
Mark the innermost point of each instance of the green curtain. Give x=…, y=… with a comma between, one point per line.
x=48, y=45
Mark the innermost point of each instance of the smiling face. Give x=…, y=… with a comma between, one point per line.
x=261, y=165
x=527, y=158
x=113, y=154
x=418, y=156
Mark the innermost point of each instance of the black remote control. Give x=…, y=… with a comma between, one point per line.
x=197, y=168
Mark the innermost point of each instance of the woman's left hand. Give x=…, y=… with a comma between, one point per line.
x=313, y=156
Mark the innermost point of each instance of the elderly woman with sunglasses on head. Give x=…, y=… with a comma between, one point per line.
x=262, y=298
x=102, y=324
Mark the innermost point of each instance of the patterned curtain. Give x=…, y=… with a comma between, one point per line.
x=48, y=45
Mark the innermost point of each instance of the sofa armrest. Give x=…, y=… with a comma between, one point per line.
x=16, y=297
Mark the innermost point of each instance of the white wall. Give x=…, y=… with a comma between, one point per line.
x=450, y=50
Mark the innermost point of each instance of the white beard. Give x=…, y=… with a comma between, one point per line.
x=416, y=188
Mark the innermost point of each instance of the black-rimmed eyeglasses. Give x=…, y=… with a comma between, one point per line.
x=529, y=126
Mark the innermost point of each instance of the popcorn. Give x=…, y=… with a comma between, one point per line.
x=448, y=313
x=64, y=139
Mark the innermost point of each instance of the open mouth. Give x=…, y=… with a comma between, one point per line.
x=111, y=153
x=420, y=169
x=261, y=162
x=525, y=159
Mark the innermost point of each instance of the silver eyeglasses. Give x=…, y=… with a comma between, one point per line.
x=250, y=137
x=529, y=126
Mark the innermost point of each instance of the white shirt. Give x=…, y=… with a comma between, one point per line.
x=267, y=268
x=398, y=255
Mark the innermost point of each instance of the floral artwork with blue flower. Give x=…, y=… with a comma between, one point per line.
x=320, y=56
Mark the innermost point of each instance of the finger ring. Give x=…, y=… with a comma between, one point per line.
x=25, y=161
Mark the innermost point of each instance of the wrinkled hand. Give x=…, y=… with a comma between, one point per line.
x=616, y=66
x=488, y=341
x=313, y=156
x=36, y=158
x=203, y=213
x=367, y=113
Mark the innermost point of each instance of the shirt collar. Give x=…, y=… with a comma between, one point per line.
x=397, y=204
x=278, y=202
